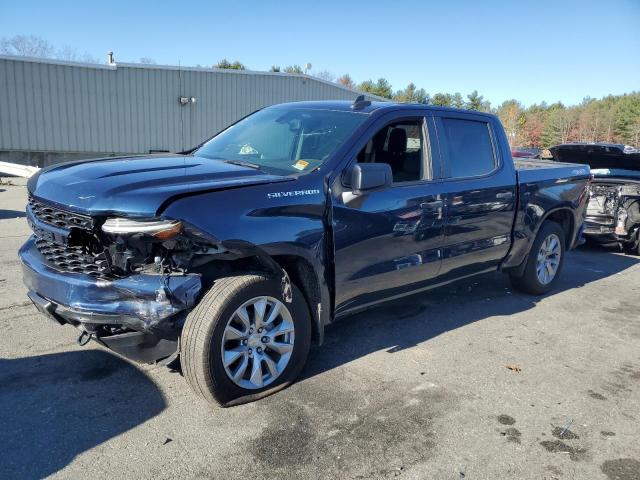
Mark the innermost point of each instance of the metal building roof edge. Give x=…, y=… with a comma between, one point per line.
x=116, y=65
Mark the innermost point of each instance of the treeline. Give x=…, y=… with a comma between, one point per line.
x=614, y=118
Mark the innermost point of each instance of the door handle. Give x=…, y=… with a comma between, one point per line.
x=434, y=205
x=504, y=195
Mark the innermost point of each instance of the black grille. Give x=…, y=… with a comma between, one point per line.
x=60, y=218
x=73, y=259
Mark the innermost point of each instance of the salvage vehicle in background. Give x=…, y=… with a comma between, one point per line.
x=233, y=257
x=613, y=214
x=525, y=152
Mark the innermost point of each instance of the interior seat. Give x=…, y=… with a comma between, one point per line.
x=396, y=150
x=410, y=171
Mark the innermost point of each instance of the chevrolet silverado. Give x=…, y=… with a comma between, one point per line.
x=232, y=258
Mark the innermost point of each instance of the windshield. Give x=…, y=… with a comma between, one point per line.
x=283, y=140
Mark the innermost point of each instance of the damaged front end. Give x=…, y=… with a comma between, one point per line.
x=126, y=283
x=613, y=214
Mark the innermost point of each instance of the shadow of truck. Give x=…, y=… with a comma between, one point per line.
x=409, y=321
x=8, y=214
x=56, y=406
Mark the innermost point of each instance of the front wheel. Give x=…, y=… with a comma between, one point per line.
x=244, y=341
x=544, y=262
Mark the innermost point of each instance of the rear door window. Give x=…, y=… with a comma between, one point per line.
x=469, y=147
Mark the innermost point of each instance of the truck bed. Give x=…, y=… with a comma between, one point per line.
x=533, y=170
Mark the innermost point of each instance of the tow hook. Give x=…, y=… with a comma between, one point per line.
x=84, y=338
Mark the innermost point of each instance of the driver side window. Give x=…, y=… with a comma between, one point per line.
x=401, y=145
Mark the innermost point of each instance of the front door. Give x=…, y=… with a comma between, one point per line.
x=387, y=242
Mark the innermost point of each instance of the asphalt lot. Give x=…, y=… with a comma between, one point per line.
x=418, y=389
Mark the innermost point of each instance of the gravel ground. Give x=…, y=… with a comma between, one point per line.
x=419, y=388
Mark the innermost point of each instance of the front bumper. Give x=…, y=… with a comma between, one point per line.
x=600, y=228
x=141, y=302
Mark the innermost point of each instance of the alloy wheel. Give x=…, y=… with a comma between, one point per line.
x=548, y=260
x=257, y=342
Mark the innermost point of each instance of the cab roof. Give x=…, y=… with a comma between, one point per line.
x=347, y=106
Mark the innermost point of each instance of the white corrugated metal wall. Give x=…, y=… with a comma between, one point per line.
x=54, y=106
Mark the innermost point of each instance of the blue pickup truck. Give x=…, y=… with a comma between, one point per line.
x=233, y=257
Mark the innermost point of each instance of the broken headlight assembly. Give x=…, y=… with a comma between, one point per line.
x=621, y=228
x=155, y=246
x=159, y=229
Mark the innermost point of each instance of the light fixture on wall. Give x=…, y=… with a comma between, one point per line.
x=186, y=100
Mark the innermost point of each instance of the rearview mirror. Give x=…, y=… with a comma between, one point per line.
x=370, y=176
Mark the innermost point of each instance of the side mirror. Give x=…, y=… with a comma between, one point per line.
x=370, y=176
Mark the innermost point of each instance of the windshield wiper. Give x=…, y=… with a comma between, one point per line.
x=243, y=164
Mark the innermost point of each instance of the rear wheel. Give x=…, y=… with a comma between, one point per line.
x=544, y=262
x=244, y=340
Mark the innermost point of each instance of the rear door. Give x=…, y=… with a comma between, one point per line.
x=480, y=190
x=386, y=242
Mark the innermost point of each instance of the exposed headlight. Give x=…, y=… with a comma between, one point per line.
x=160, y=229
x=621, y=228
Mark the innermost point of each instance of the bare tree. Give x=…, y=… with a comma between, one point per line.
x=325, y=75
x=72, y=54
x=608, y=119
x=26, y=46
x=588, y=124
x=511, y=114
x=147, y=61
x=567, y=120
x=32, y=46
x=346, y=81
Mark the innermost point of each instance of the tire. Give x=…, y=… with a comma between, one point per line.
x=633, y=248
x=529, y=281
x=213, y=325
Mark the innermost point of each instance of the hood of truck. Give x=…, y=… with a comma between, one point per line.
x=138, y=185
x=616, y=173
x=598, y=156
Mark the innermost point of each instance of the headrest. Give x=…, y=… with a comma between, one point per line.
x=397, y=141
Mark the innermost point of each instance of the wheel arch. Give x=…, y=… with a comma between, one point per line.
x=294, y=267
x=565, y=218
x=303, y=275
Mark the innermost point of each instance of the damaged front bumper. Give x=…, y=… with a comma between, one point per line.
x=144, y=303
x=613, y=213
x=604, y=230
x=602, y=227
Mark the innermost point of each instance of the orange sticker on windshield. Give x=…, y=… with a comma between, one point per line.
x=301, y=164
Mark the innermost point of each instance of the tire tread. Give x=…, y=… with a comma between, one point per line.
x=196, y=336
x=528, y=281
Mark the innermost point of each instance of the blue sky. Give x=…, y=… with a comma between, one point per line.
x=529, y=50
